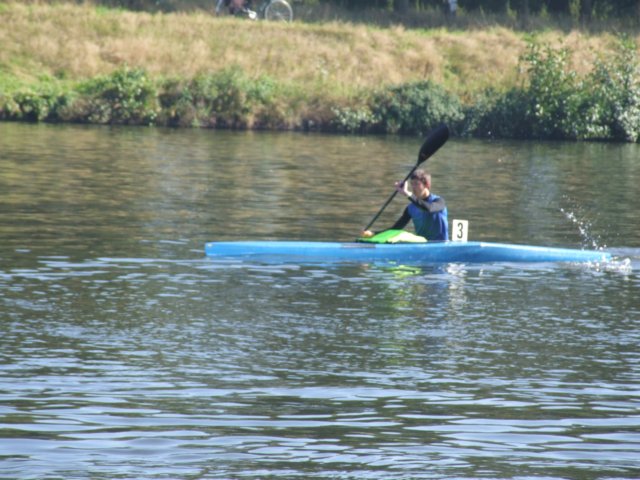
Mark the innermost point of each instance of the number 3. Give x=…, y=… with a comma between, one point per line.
x=460, y=230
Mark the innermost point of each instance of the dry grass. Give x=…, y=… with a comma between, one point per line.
x=74, y=42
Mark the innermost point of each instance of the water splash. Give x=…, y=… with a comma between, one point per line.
x=621, y=265
x=584, y=227
x=590, y=240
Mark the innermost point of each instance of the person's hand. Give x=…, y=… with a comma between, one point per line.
x=403, y=188
x=366, y=234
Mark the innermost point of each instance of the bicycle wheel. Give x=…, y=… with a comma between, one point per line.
x=279, y=11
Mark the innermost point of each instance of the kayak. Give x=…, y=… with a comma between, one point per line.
x=421, y=253
x=399, y=246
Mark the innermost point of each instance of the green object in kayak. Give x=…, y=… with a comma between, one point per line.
x=394, y=236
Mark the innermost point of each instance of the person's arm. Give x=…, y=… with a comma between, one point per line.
x=431, y=207
x=402, y=221
x=399, y=225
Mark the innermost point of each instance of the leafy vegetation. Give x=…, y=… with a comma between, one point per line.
x=227, y=99
x=333, y=77
x=553, y=102
x=415, y=108
x=127, y=96
x=556, y=103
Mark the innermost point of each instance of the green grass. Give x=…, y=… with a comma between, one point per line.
x=327, y=74
x=79, y=41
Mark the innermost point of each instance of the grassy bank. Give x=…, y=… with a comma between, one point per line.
x=67, y=62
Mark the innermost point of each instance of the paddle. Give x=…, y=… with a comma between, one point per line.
x=434, y=141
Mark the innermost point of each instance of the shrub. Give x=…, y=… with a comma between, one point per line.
x=556, y=104
x=126, y=96
x=614, y=92
x=414, y=108
x=497, y=115
x=176, y=105
x=9, y=109
x=228, y=99
x=352, y=119
x=35, y=103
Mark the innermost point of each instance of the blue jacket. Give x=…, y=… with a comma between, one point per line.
x=430, y=217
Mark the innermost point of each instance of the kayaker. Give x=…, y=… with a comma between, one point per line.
x=427, y=210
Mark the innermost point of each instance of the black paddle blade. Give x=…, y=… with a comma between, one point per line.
x=434, y=141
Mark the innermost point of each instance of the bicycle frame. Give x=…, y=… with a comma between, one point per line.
x=275, y=10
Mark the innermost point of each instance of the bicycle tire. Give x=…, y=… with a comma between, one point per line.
x=278, y=11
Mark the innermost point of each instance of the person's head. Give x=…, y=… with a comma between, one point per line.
x=420, y=181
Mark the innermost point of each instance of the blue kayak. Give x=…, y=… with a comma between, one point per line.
x=420, y=253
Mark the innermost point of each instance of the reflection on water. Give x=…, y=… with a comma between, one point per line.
x=124, y=353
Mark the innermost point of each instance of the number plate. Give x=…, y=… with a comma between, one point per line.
x=459, y=230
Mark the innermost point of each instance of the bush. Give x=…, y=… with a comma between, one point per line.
x=614, y=93
x=498, y=115
x=556, y=104
x=34, y=104
x=126, y=96
x=414, y=108
x=352, y=119
x=228, y=99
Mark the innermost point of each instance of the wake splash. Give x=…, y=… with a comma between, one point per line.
x=619, y=263
x=589, y=240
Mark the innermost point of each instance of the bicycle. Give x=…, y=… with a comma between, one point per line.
x=274, y=10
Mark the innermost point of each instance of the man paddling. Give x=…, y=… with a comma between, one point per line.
x=427, y=210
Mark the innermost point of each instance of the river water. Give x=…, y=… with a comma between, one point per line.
x=126, y=354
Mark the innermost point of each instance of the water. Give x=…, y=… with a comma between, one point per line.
x=124, y=353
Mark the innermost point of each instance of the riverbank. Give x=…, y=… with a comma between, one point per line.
x=77, y=63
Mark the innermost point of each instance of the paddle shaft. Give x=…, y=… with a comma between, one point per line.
x=395, y=192
x=434, y=141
